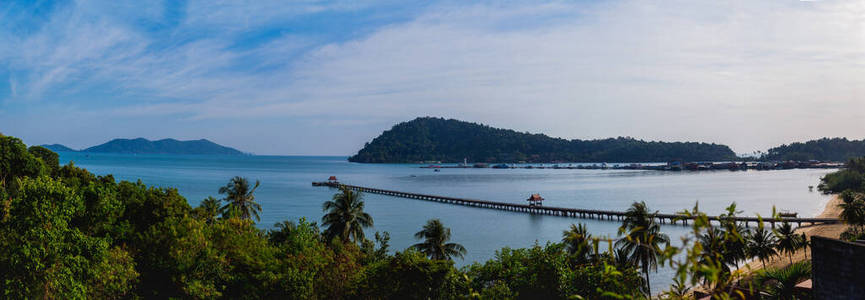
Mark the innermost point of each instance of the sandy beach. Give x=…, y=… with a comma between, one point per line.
x=832, y=231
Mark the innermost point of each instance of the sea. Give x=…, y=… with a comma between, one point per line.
x=286, y=193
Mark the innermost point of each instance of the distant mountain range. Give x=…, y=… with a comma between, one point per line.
x=449, y=140
x=59, y=148
x=145, y=146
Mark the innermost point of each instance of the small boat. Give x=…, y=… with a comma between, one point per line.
x=437, y=170
x=501, y=166
x=787, y=214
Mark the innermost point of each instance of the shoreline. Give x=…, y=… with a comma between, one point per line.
x=831, y=210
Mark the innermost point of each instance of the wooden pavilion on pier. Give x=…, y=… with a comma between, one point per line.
x=535, y=200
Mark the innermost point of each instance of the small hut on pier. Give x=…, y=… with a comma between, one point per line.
x=535, y=200
x=332, y=179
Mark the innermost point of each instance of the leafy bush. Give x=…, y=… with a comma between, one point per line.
x=544, y=273
x=841, y=181
x=853, y=234
x=851, y=178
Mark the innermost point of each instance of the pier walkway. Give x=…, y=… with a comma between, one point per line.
x=563, y=211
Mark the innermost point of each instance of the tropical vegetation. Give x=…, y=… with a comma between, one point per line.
x=577, y=242
x=761, y=243
x=239, y=198
x=67, y=233
x=849, y=183
x=643, y=239
x=448, y=140
x=435, y=244
x=781, y=283
x=825, y=149
x=345, y=217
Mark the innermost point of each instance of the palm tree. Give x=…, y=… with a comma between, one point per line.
x=620, y=256
x=804, y=244
x=714, y=251
x=435, y=242
x=734, y=244
x=735, y=247
x=281, y=232
x=209, y=209
x=637, y=216
x=852, y=208
x=761, y=244
x=788, y=240
x=240, y=199
x=643, y=240
x=678, y=290
x=576, y=241
x=345, y=217
x=779, y=283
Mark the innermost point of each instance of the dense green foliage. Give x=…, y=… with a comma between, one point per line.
x=16, y=162
x=851, y=178
x=548, y=273
x=437, y=139
x=825, y=149
x=68, y=234
x=850, y=182
x=781, y=283
x=163, y=146
x=50, y=158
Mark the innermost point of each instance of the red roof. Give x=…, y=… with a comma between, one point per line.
x=535, y=197
x=332, y=178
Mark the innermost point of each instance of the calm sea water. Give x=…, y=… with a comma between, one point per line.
x=286, y=194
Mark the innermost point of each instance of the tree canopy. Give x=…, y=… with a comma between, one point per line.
x=448, y=140
x=825, y=149
x=66, y=233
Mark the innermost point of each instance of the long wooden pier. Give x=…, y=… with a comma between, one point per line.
x=563, y=211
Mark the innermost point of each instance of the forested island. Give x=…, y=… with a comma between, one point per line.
x=449, y=140
x=163, y=146
x=825, y=149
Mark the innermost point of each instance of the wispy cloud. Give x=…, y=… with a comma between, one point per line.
x=727, y=72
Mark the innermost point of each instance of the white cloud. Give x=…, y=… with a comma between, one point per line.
x=732, y=73
x=747, y=74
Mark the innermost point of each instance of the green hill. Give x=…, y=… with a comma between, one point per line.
x=438, y=139
x=164, y=146
x=834, y=149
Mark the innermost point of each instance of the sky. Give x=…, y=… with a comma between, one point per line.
x=323, y=78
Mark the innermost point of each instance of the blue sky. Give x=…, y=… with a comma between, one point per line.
x=314, y=77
